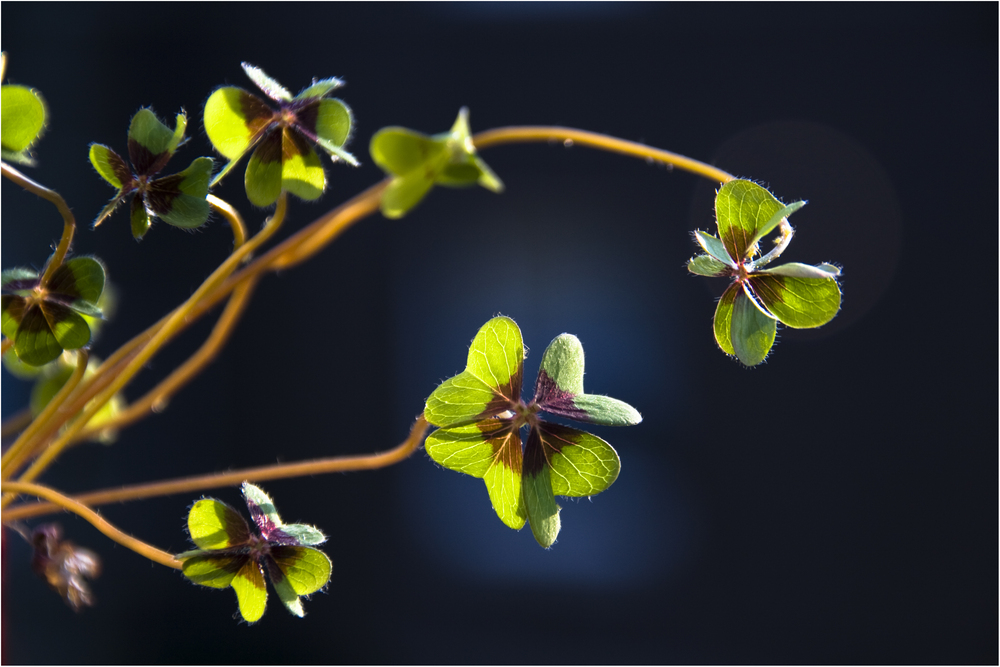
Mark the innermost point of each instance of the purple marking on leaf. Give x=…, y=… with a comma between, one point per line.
x=269, y=149
x=294, y=143
x=144, y=161
x=21, y=284
x=256, y=114
x=770, y=288
x=263, y=521
x=550, y=398
x=505, y=441
x=121, y=170
x=162, y=192
x=306, y=115
x=285, y=557
x=13, y=307
x=534, y=455
x=280, y=537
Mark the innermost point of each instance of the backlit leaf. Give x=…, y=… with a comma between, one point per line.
x=306, y=569
x=234, y=121
x=580, y=464
x=68, y=326
x=271, y=88
x=332, y=127
x=79, y=278
x=742, y=209
x=405, y=192
x=800, y=303
x=301, y=169
x=539, y=502
x=399, y=151
x=150, y=142
x=714, y=247
x=320, y=88
x=724, y=318
x=775, y=220
x=496, y=357
x=704, y=265
x=213, y=524
x=263, y=177
x=34, y=342
x=110, y=165
x=214, y=571
x=139, y=218
x=461, y=399
x=251, y=591
x=752, y=331
x=180, y=200
x=12, y=311
x=22, y=116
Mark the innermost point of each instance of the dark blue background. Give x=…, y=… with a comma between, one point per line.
x=837, y=504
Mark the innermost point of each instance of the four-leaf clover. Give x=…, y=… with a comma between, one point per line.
x=230, y=554
x=236, y=121
x=44, y=320
x=178, y=199
x=481, y=413
x=417, y=162
x=797, y=295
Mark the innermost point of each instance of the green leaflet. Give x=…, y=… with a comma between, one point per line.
x=775, y=220
x=12, y=309
x=213, y=524
x=333, y=128
x=233, y=118
x=22, y=116
x=301, y=170
x=263, y=175
x=742, y=209
x=490, y=449
x=306, y=570
x=703, y=265
x=320, y=88
x=714, y=247
x=109, y=165
x=79, y=278
x=188, y=204
x=580, y=464
x=147, y=130
x=800, y=303
x=271, y=88
x=559, y=388
x=251, y=591
x=208, y=570
x=418, y=162
x=539, y=501
x=35, y=343
x=139, y=218
x=461, y=399
x=752, y=331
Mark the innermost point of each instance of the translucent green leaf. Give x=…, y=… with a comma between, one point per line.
x=724, y=318
x=703, y=265
x=12, y=309
x=263, y=177
x=320, y=88
x=151, y=141
x=271, y=88
x=68, y=326
x=559, y=388
x=801, y=303
x=490, y=449
x=251, y=591
x=405, y=192
x=400, y=151
x=306, y=569
x=261, y=507
x=210, y=570
x=285, y=592
x=333, y=123
x=234, y=121
x=470, y=448
x=742, y=209
x=110, y=165
x=22, y=115
x=496, y=357
x=775, y=220
x=301, y=169
x=461, y=399
x=213, y=524
x=183, y=195
x=796, y=270
x=34, y=342
x=79, y=278
x=752, y=331
x=139, y=217
x=539, y=501
x=714, y=247
x=304, y=534
x=580, y=464
x=19, y=280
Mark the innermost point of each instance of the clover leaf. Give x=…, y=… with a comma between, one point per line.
x=230, y=554
x=179, y=200
x=236, y=121
x=797, y=295
x=22, y=116
x=44, y=320
x=418, y=162
x=481, y=413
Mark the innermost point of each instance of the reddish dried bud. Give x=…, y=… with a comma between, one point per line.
x=65, y=566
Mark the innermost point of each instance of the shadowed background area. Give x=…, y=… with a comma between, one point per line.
x=834, y=505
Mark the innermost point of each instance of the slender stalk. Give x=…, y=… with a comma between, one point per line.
x=161, y=394
x=260, y=474
x=69, y=223
x=99, y=522
x=169, y=328
x=520, y=135
x=232, y=216
x=20, y=450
